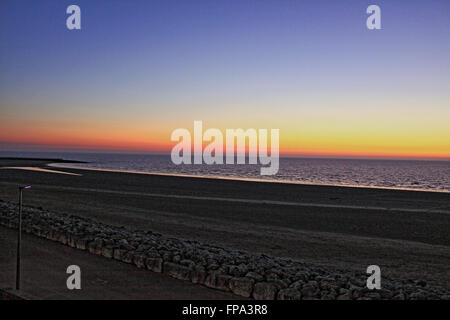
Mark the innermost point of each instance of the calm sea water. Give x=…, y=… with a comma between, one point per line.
x=395, y=174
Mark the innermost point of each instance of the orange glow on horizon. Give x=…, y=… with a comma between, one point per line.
x=161, y=147
x=318, y=140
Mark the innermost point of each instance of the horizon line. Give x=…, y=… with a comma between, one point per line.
x=300, y=155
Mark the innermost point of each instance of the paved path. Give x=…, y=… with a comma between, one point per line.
x=44, y=265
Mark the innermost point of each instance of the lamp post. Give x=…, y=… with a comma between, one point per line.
x=19, y=237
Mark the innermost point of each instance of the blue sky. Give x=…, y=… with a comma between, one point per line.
x=271, y=61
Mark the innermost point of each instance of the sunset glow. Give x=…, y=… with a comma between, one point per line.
x=332, y=87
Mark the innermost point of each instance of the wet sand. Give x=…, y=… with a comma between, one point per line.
x=406, y=233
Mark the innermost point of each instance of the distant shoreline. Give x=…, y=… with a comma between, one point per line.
x=49, y=160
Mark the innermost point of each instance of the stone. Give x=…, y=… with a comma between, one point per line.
x=198, y=275
x=177, y=271
x=303, y=276
x=139, y=260
x=38, y=231
x=419, y=295
x=107, y=252
x=167, y=256
x=281, y=284
x=242, y=286
x=118, y=254
x=310, y=289
x=289, y=294
x=421, y=283
x=49, y=234
x=297, y=284
x=211, y=279
x=255, y=276
x=187, y=263
x=264, y=291
x=213, y=266
x=92, y=247
x=53, y=235
x=62, y=238
x=98, y=249
x=345, y=296
x=222, y=282
x=127, y=257
x=154, y=264
x=385, y=294
x=128, y=247
x=72, y=241
x=373, y=295
x=81, y=244
x=239, y=271
x=328, y=296
x=356, y=293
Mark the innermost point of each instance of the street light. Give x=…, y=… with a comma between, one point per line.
x=19, y=237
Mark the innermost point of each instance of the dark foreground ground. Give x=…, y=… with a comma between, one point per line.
x=406, y=233
x=44, y=265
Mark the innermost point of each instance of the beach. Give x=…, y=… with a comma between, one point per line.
x=404, y=232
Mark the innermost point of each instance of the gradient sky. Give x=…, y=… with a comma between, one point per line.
x=140, y=69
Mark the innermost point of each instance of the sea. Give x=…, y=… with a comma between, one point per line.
x=426, y=175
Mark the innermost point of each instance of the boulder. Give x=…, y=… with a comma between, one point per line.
x=81, y=244
x=211, y=279
x=242, y=286
x=222, y=282
x=127, y=257
x=289, y=294
x=62, y=238
x=255, y=276
x=265, y=291
x=311, y=290
x=198, y=275
x=139, y=260
x=107, y=252
x=72, y=241
x=154, y=264
x=177, y=271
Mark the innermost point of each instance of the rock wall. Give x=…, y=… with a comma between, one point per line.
x=244, y=274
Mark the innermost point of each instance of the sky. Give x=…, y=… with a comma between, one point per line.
x=137, y=70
